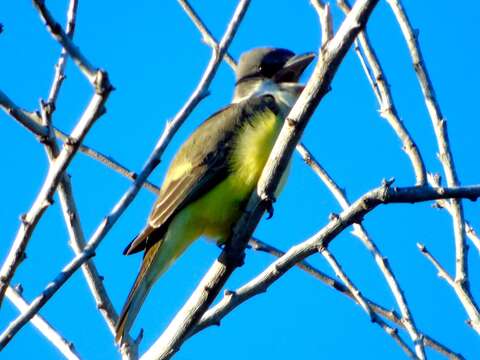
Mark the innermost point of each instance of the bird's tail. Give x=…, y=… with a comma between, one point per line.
x=151, y=268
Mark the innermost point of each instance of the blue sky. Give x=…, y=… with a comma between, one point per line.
x=155, y=57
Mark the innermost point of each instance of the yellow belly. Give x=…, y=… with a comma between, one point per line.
x=222, y=206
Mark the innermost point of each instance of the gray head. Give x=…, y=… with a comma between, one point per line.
x=273, y=64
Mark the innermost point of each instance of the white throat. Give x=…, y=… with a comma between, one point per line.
x=285, y=94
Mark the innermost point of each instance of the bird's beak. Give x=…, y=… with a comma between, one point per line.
x=293, y=68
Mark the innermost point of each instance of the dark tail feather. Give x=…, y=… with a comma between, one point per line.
x=139, y=242
x=137, y=294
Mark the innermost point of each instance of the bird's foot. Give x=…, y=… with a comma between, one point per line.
x=268, y=203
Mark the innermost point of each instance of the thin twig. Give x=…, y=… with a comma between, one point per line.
x=21, y=116
x=33, y=122
x=109, y=162
x=382, y=262
x=208, y=38
x=384, y=194
x=472, y=235
x=44, y=198
x=94, y=110
x=388, y=110
x=325, y=17
x=391, y=315
x=64, y=346
x=64, y=39
x=434, y=180
x=465, y=297
x=444, y=154
x=363, y=303
x=65, y=192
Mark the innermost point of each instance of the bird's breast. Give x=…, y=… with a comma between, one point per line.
x=252, y=147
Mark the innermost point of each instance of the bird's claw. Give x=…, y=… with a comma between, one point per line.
x=268, y=202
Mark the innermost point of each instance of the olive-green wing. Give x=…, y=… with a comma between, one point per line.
x=201, y=163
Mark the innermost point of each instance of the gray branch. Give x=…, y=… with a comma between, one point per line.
x=63, y=345
x=382, y=262
x=444, y=154
x=354, y=214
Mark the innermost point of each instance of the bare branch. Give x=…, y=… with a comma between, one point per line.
x=434, y=180
x=44, y=198
x=325, y=17
x=63, y=38
x=64, y=346
x=22, y=116
x=62, y=60
x=65, y=192
x=214, y=315
x=464, y=296
x=353, y=214
x=360, y=232
x=208, y=38
x=108, y=161
x=388, y=110
x=363, y=303
x=444, y=152
x=75, y=231
x=471, y=233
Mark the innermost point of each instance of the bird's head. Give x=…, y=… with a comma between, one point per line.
x=268, y=70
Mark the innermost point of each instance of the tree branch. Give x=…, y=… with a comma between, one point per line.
x=215, y=315
x=382, y=262
x=64, y=39
x=64, y=346
x=21, y=116
x=355, y=213
x=388, y=109
x=364, y=304
x=444, y=152
x=44, y=198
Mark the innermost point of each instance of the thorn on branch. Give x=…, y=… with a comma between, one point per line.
x=139, y=337
x=71, y=215
x=102, y=83
x=422, y=248
x=47, y=202
x=23, y=219
x=291, y=122
x=333, y=216
x=204, y=94
x=416, y=33
x=308, y=160
x=70, y=141
x=19, y=288
x=229, y=293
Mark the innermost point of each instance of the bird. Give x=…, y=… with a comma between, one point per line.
x=212, y=175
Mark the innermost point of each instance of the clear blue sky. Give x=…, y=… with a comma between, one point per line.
x=155, y=58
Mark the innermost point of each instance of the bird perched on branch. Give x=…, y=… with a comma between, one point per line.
x=213, y=174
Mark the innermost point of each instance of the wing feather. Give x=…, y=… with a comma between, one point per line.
x=199, y=165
